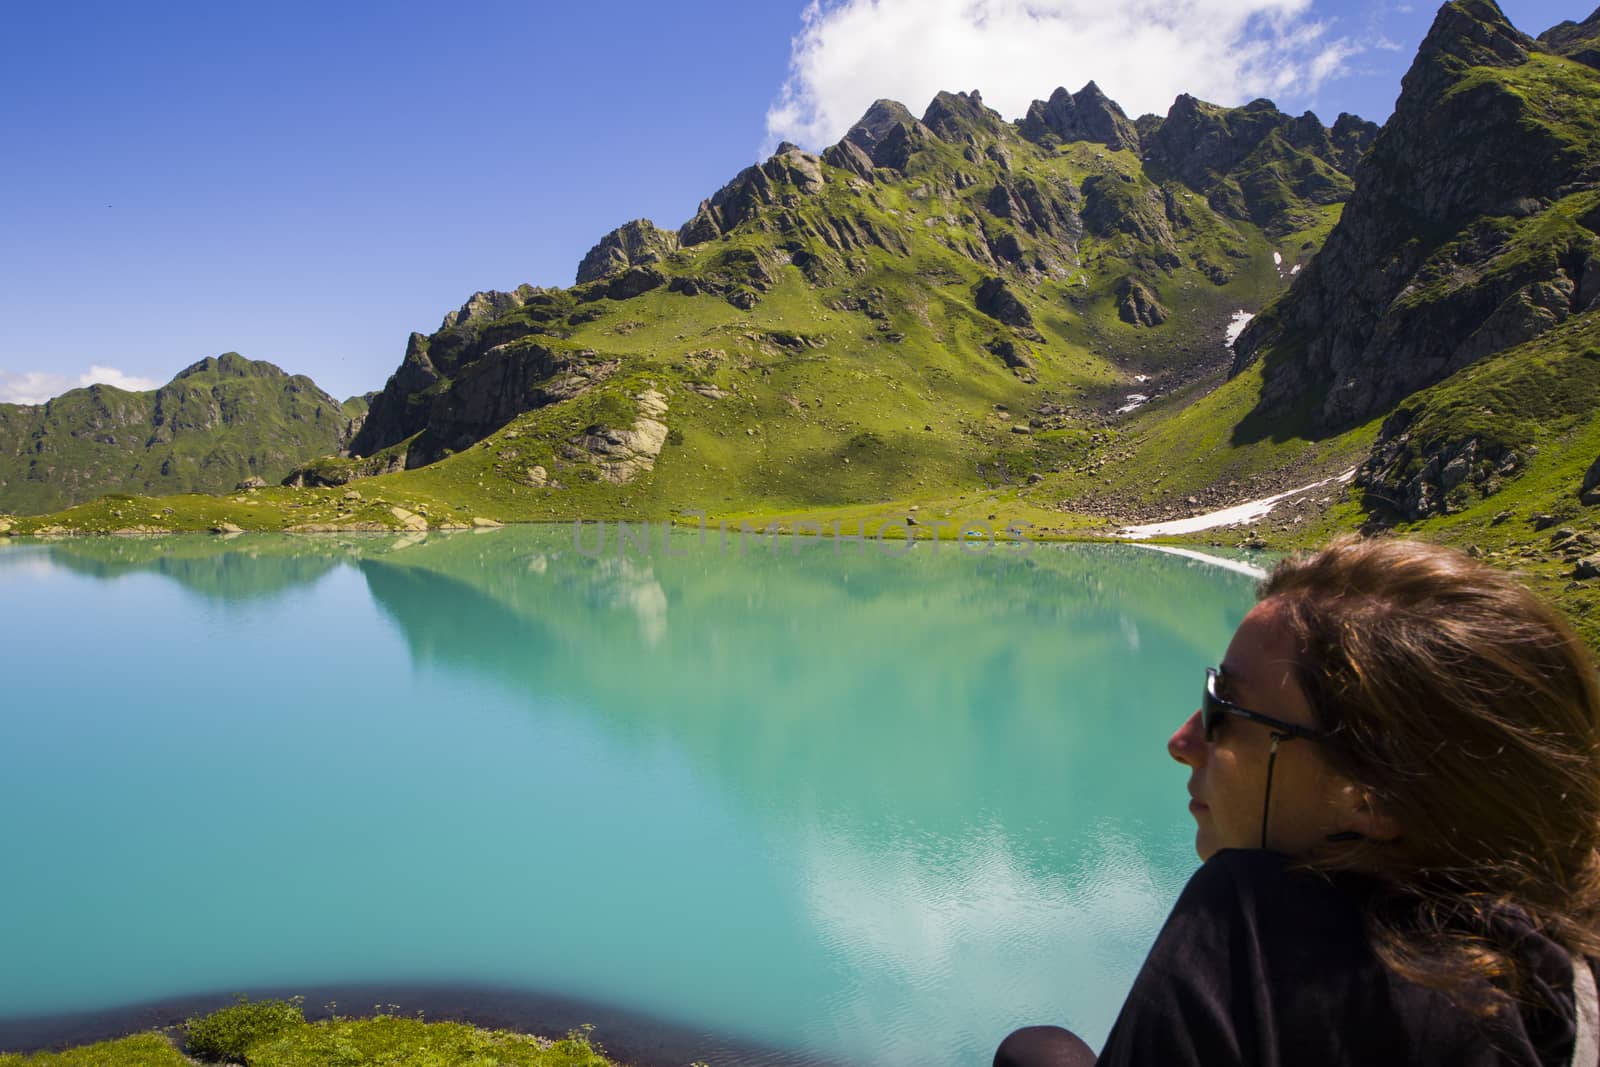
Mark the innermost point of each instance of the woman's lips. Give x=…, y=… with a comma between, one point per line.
x=1195, y=806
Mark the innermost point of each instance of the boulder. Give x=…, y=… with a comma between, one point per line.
x=408, y=520
x=1590, y=493
x=996, y=300
x=1137, y=303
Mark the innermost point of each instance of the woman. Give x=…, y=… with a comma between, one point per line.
x=1395, y=780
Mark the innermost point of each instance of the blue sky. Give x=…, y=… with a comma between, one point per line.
x=308, y=183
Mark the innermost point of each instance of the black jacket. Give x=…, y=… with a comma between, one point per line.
x=1265, y=965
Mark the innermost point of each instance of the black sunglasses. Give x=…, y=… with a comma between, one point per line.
x=1213, y=707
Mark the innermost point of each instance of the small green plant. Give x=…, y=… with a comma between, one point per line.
x=226, y=1034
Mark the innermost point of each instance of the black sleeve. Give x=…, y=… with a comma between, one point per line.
x=1180, y=1011
x=1265, y=965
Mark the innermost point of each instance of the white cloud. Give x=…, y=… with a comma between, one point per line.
x=1143, y=53
x=112, y=376
x=35, y=387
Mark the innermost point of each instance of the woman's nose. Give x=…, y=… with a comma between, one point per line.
x=1188, y=743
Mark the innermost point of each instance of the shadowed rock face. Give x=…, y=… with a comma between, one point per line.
x=1424, y=274
x=1137, y=303
x=1087, y=115
x=1251, y=161
x=751, y=190
x=1575, y=40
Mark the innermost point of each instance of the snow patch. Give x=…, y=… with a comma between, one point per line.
x=1236, y=565
x=1294, y=270
x=1134, y=400
x=1277, y=257
x=1238, y=515
x=1236, y=325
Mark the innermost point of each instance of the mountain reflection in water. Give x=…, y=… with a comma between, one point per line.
x=857, y=806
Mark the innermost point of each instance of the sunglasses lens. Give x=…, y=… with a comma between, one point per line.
x=1211, y=713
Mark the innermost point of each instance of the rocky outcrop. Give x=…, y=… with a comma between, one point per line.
x=1351, y=137
x=1123, y=205
x=1015, y=357
x=1137, y=303
x=1427, y=270
x=1087, y=115
x=790, y=168
x=341, y=470
x=482, y=306
x=1040, y=209
x=507, y=381
x=621, y=455
x=432, y=363
x=996, y=300
x=738, y=275
x=632, y=282
x=634, y=244
x=1412, y=477
x=963, y=118
x=1255, y=162
x=1589, y=492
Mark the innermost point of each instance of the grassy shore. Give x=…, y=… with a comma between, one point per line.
x=275, y=1033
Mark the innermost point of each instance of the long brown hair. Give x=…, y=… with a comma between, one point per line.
x=1468, y=711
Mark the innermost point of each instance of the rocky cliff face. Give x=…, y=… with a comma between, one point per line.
x=1472, y=230
x=634, y=244
x=1440, y=256
x=1087, y=115
x=1255, y=162
x=1575, y=40
x=218, y=422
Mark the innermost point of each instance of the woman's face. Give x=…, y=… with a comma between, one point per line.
x=1228, y=776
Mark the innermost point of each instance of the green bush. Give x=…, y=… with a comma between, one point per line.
x=228, y=1033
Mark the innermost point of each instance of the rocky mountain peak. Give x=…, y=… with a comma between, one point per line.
x=1575, y=40
x=1465, y=33
x=230, y=365
x=633, y=244
x=490, y=304
x=882, y=117
x=884, y=137
x=961, y=117
x=1087, y=115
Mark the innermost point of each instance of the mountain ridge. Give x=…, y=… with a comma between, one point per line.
x=218, y=421
x=956, y=308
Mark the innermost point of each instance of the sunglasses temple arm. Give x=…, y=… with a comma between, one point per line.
x=1266, y=798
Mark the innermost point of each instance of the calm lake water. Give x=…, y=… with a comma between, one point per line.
x=830, y=806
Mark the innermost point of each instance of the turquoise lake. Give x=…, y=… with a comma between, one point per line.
x=827, y=803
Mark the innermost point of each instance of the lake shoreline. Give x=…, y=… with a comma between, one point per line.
x=629, y=1037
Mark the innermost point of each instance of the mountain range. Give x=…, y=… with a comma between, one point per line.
x=957, y=315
